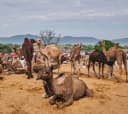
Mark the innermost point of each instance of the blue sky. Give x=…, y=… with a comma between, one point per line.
x=104, y=19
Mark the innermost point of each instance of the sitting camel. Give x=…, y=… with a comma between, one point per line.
x=64, y=87
x=117, y=54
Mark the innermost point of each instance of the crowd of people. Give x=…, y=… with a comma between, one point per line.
x=12, y=62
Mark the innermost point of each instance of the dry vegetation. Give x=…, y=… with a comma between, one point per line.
x=19, y=95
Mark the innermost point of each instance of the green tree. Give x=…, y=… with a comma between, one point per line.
x=109, y=44
x=8, y=47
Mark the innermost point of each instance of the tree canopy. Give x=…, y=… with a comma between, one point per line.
x=109, y=44
x=8, y=47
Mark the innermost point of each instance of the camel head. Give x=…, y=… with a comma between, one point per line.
x=116, y=45
x=45, y=73
x=32, y=41
x=103, y=43
x=39, y=42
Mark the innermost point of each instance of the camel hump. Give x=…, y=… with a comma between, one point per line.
x=62, y=79
x=61, y=74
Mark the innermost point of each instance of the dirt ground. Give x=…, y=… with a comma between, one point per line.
x=19, y=95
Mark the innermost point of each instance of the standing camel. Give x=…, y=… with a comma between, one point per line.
x=52, y=52
x=27, y=48
x=98, y=56
x=115, y=53
x=75, y=57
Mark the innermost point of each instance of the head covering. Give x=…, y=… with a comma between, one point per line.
x=14, y=54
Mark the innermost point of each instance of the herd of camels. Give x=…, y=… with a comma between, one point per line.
x=52, y=51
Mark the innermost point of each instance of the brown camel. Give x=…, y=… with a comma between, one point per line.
x=27, y=48
x=52, y=52
x=64, y=87
x=115, y=53
x=75, y=57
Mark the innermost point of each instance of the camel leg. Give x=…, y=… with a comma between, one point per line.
x=99, y=69
x=29, y=70
x=94, y=69
x=68, y=101
x=126, y=72
x=102, y=70
x=71, y=67
x=119, y=62
x=89, y=68
x=125, y=66
x=52, y=100
x=79, y=67
x=111, y=71
x=59, y=63
x=120, y=68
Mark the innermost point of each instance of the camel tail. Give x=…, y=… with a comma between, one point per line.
x=89, y=93
x=125, y=65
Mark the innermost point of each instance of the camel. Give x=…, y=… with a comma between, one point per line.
x=48, y=53
x=64, y=87
x=98, y=56
x=75, y=57
x=52, y=52
x=27, y=48
x=115, y=53
x=1, y=68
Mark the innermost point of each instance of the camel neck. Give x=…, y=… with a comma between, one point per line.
x=50, y=83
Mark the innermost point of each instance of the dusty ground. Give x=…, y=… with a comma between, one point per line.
x=19, y=95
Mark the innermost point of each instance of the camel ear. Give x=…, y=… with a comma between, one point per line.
x=33, y=40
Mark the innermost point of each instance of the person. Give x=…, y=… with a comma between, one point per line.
x=22, y=61
x=14, y=53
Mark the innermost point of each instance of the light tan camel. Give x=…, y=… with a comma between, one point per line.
x=52, y=52
x=75, y=58
x=115, y=53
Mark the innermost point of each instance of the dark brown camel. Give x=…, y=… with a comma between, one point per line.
x=98, y=56
x=75, y=57
x=27, y=48
x=118, y=54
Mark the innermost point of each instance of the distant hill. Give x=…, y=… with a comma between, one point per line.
x=18, y=39
x=75, y=40
x=121, y=41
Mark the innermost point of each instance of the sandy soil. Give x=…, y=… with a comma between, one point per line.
x=19, y=95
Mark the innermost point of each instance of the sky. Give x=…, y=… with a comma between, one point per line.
x=103, y=19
